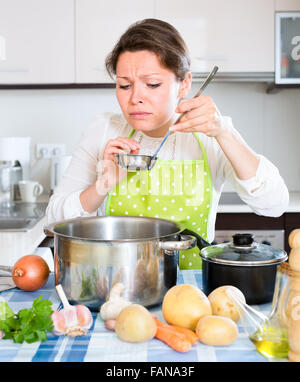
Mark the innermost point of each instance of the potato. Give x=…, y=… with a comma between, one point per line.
x=135, y=324
x=216, y=330
x=222, y=304
x=183, y=305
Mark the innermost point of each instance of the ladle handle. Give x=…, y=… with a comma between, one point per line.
x=199, y=92
x=162, y=142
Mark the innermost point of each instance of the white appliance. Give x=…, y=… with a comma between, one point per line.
x=16, y=149
x=58, y=166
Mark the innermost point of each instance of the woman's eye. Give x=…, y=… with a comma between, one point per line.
x=125, y=87
x=154, y=85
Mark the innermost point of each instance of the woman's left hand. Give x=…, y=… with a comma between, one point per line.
x=202, y=116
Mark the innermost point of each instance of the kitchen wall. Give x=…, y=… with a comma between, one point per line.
x=270, y=123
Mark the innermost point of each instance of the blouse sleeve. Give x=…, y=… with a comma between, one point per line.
x=80, y=174
x=265, y=193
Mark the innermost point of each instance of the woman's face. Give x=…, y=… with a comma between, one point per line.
x=147, y=92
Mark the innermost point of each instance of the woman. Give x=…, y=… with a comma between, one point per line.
x=151, y=65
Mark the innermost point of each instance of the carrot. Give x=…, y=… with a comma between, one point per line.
x=176, y=341
x=189, y=334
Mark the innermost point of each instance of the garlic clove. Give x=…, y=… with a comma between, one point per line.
x=70, y=315
x=111, y=309
x=59, y=323
x=84, y=316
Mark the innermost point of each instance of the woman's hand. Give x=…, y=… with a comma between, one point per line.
x=111, y=173
x=202, y=116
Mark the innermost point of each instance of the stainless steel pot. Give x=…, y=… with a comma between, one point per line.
x=91, y=254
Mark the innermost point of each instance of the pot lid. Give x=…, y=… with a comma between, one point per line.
x=243, y=251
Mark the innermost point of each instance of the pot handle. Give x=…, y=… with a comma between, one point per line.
x=7, y=270
x=186, y=242
x=201, y=243
x=48, y=231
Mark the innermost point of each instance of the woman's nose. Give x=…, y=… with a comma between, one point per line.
x=137, y=95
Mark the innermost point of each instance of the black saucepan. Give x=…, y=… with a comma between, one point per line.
x=243, y=263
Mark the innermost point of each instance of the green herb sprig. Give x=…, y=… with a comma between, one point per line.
x=29, y=325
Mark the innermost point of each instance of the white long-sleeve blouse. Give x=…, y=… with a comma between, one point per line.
x=270, y=197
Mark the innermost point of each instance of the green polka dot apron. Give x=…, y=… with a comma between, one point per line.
x=176, y=190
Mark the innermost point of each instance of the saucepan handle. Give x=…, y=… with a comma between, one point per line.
x=201, y=243
x=48, y=231
x=185, y=242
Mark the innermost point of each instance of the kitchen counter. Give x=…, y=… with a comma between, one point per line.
x=17, y=243
x=231, y=203
x=101, y=345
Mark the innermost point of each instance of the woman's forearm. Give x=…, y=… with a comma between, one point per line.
x=242, y=158
x=93, y=196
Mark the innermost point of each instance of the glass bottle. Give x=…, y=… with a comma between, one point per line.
x=271, y=340
x=269, y=333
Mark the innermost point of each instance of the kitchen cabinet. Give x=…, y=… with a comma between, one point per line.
x=99, y=24
x=38, y=39
x=236, y=35
x=287, y=5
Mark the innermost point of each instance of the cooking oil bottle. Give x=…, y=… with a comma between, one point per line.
x=271, y=342
x=271, y=338
x=269, y=333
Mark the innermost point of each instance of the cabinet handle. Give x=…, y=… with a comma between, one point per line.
x=2, y=49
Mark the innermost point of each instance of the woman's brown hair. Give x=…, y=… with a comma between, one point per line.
x=158, y=37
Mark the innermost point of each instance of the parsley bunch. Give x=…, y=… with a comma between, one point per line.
x=29, y=325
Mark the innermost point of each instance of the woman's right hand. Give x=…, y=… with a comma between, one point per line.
x=112, y=174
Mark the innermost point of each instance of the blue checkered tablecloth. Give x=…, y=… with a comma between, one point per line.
x=101, y=345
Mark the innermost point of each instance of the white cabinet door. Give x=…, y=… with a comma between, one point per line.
x=99, y=25
x=287, y=5
x=236, y=35
x=37, y=40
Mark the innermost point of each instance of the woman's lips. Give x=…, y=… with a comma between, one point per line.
x=139, y=114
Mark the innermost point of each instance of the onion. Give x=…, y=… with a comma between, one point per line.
x=30, y=272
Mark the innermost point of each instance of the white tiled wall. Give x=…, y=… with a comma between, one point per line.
x=270, y=123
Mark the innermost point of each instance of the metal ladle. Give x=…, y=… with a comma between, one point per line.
x=137, y=162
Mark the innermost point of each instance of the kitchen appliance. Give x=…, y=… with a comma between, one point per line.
x=16, y=149
x=287, y=48
x=10, y=174
x=137, y=162
x=91, y=254
x=58, y=166
x=243, y=263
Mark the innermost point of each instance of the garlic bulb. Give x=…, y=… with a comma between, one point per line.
x=71, y=320
x=111, y=309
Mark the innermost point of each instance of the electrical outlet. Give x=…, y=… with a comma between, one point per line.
x=50, y=150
